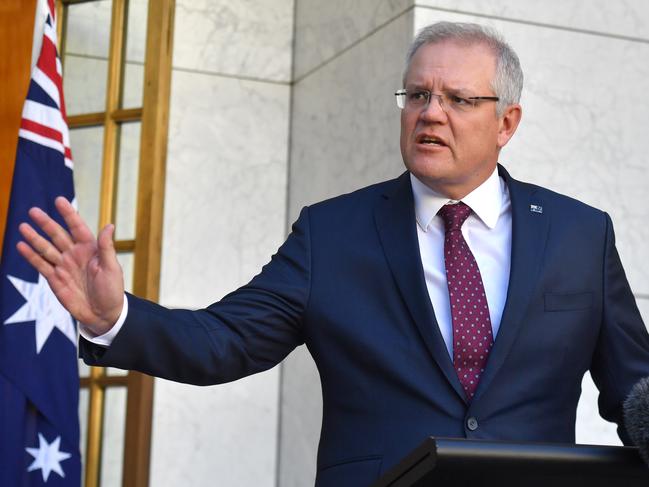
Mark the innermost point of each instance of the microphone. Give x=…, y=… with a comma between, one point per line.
x=636, y=417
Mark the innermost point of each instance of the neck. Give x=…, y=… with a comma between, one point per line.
x=456, y=191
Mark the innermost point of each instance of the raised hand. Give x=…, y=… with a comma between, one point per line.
x=82, y=271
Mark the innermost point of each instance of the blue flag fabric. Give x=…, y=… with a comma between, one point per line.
x=39, y=379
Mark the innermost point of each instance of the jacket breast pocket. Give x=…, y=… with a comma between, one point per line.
x=568, y=301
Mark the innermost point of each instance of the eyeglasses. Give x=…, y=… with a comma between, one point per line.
x=417, y=99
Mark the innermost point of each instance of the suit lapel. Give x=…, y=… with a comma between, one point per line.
x=529, y=235
x=395, y=221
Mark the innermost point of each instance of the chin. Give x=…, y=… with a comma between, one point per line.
x=431, y=169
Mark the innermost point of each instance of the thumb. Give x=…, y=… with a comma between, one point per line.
x=105, y=246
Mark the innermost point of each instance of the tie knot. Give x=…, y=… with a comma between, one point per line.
x=454, y=215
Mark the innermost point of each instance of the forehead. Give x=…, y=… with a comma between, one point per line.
x=451, y=64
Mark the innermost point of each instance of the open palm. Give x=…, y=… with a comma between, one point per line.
x=82, y=271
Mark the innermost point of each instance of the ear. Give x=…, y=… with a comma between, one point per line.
x=508, y=124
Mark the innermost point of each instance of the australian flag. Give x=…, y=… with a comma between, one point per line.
x=39, y=379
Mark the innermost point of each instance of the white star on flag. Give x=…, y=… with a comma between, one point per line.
x=47, y=457
x=43, y=308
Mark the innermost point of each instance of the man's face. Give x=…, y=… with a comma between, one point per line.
x=468, y=141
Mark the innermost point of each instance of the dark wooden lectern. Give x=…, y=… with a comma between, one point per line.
x=478, y=463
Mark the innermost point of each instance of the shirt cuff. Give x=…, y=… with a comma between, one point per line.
x=107, y=338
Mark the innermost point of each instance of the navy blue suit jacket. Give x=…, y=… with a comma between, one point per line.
x=348, y=282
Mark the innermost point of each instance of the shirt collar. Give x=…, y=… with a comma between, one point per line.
x=486, y=201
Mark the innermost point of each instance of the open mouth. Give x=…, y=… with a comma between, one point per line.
x=430, y=140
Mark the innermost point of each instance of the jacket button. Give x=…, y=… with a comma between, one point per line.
x=472, y=423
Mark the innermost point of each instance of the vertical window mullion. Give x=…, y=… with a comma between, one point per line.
x=108, y=198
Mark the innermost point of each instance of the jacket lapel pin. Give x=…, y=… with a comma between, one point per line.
x=536, y=209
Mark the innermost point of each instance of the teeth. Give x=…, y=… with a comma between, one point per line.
x=431, y=141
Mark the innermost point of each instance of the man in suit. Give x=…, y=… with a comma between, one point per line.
x=452, y=301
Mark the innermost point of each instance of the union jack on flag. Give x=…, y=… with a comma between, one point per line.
x=39, y=380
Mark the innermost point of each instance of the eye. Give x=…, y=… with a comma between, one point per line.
x=459, y=101
x=420, y=96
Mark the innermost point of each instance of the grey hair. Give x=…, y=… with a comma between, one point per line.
x=508, y=79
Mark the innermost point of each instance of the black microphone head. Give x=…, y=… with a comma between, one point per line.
x=636, y=417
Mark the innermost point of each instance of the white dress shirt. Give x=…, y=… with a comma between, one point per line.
x=487, y=231
x=107, y=338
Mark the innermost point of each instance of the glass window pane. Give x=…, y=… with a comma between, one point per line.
x=84, y=85
x=84, y=398
x=133, y=83
x=136, y=30
x=126, y=261
x=135, y=50
x=84, y=370
x=112, y=451
x=129, y=154
x=88, y=29
x=86, y=55
x=87, y=146
x=116, y=372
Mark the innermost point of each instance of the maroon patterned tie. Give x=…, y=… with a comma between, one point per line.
x=472, y=335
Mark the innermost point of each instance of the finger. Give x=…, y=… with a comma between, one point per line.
x=77, y=226
x=107, y=255
x=40, y=245
x=40, y=264
x=59, y=235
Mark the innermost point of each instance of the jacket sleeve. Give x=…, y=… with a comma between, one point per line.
x=249, y=330
x=621, y=356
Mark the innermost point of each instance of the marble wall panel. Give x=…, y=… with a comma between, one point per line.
x=579, y=135
x=643, y=306
x=226, y=185
x=590, y=428
x=324, y=29
x=221, y=435
x=224, y=216
x=249, y=39
x=629, y=18
x=345, y=126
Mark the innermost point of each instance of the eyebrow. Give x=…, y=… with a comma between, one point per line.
x=454, y=91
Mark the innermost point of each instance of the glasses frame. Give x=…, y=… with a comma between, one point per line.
x=401, y=95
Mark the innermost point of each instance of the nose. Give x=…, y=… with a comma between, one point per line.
x=433, y=111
